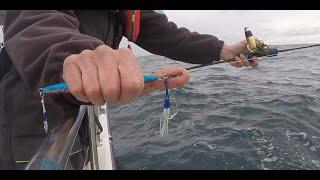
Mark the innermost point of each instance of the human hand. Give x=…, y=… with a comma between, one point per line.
x=114, y=76
x=235, y=53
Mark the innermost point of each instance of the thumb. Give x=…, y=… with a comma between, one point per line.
x=243, y=46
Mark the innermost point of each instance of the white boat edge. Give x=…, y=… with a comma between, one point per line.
x=104, y=141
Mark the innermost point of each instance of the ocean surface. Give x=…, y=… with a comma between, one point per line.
x=229, y=118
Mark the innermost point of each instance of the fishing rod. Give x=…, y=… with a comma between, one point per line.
x=55, y=150
x=257, y=48
x=304, y=47
x=63, y=87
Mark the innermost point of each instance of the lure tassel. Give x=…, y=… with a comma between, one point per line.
x=164, y=122
x=63, y=88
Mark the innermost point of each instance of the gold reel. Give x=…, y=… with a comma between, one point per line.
x=256, y=46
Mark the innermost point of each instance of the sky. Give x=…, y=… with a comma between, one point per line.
x=273, y=26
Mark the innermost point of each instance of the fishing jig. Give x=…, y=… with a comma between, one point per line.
x=63, y=88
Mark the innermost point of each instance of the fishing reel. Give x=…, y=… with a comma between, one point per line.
x=257, y=47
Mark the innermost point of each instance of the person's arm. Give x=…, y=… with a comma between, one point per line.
x=38, y=42
x=161, y=37
x=46, y=47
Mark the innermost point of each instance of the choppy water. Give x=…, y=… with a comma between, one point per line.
x=229, y=118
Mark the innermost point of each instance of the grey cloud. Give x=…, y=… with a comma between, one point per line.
x=275, y=27
x=303, y=32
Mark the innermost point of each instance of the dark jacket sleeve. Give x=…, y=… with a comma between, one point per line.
x=38, y=41
x=161, y=37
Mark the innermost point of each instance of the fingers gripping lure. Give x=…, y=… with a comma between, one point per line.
x=63, y=88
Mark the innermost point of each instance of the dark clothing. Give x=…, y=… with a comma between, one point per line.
x=37, y=42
